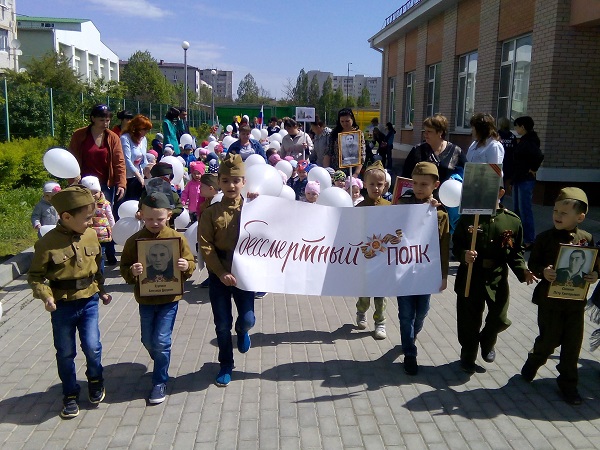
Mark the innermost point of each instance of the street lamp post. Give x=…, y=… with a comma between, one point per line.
x=16, y=45
x=185, y=45
x=213, y=72
x=348, y=84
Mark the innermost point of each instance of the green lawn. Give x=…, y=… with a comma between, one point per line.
x=16, y=232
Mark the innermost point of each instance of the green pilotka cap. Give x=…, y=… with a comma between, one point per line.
x=71, y=198
x=232, y=166
x=426, y=168
x=157, y=200
x=573, y=193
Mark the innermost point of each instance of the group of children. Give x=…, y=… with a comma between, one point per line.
x=66, y=274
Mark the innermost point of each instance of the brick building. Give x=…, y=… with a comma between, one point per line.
x=504, y=57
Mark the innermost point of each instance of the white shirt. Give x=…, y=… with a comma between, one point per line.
x=491, y=152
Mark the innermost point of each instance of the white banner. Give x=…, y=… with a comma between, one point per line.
x=301, y=248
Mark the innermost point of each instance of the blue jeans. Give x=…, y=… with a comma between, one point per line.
x=109, y=194
x=412, y=310
x=157, y=323
x=522, y=198
x=69, y=317
x=220, y=301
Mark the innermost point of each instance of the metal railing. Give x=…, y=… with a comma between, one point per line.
x=401, y=11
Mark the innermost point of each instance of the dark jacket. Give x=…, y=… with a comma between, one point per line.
x=527, y=157
x=446, y=162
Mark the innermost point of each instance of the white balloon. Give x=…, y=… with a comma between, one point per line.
x=321, y=175
x=45, y=228
x=229, y=128
x=285, y=167
x=263, y=179
x=212, y=145
x=191, y=235
x=186, y=139
x=335, y=196
x=228, y=140
x=125, y=228
x=61, y=163
x=287, y=192
x=128, y=208
x=211, y=138
x=255, y=133
x=177, y=169
x=182, y=220
x=264, y=133
x=275, y=137
x=450, y=192
x=283, y=132
x=217, y=198
x=254, y=159
x=274, y=144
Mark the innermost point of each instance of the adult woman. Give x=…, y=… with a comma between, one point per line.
x=245, y=146
x=485, y=148
x=527, y=160
x=135, y=145
x=345, y=123
x=296, y=143
x=169, y=129
x=321, y=141
x=389, y=138
x=99, y=153
x=124, y=117
x=436, y=149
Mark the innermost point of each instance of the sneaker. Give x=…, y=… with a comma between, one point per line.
x=379, y=332
x=489, y=357
x=223, y=377
x=70, y=407
x=158, y=394
x=243, y=342
x=361, y=321
x=410, y=365
x=96, y=391
x=259, y=295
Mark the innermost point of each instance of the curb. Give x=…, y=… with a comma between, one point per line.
x=15, y=267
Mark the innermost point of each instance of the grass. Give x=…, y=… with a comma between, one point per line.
x=16, y=232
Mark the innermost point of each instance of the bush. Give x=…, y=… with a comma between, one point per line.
x=21, y=163
x=16, y=232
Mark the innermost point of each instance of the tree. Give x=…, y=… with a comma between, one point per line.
x=339, y=99
x=350, y=102
x=248, y=91
x=364, y=100
x=313, y=92
x=301, y=89
x=144, y=80
x=326, y=100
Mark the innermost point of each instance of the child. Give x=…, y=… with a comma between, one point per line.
x=163, y=171
x=168, y=150
x=299, y=183
x=103, y=219
x=412, y=309
x=357, y=186
x=191, y=195
x=312, y=191
x=188, y=156
x=339, y=179
x=151, y=158
x=218, y=233
x=209, y=187
x=499, y=245
x=274, y=159
x=43, y=212
x=65, y=274
x=374, y=180
x=157, y=313
x=560, y=321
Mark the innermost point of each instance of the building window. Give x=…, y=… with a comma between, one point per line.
x=433, y=89
x=514, y=78
x=392, y=100
x=409, y=100
x=465, y=99
x=3, y=40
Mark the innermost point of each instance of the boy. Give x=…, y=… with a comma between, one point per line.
x=499, y=245
x=218, y=233
x=65, y=274
x=560, y=321
x=299, y=183
x=412, y=309
x=43, y=212
x=374, y=182
x=165, y=172
x=209, y=187
x=157, y=313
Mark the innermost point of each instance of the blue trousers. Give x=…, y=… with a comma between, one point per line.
x=70, y=317
x=412, y=310
x=523, y=200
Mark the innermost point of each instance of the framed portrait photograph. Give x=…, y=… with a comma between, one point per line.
x=572, y=264
x=304, y=114
x=159, y=258
x=349, y=149
x=480, y=188
x=400, y=187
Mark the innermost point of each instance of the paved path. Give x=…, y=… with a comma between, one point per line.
x=311, y=380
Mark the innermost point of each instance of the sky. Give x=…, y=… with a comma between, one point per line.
x=270, y=40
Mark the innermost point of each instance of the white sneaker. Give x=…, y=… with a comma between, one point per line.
x=379, y=332
x=361, y=320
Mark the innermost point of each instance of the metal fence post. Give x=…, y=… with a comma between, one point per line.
x=52, y=112
x=6, y=110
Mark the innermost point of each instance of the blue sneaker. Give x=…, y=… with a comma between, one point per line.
x=158, y=394
x=223, y=377
x=243, y=342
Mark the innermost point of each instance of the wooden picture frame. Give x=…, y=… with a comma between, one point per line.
x=350, y=149
x=481, y=185
x=305, y=114
x=400, y=187
x=159, y=258
x=572, y=264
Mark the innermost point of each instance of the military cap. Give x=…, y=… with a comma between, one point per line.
x=209, y=179
x=161, y=169
x=573, y=193
x=232, y=166
x=71, y=198
x=157, y=200
x=377, y=165
x=426, y=168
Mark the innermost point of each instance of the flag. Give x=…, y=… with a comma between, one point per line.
x=260, y=117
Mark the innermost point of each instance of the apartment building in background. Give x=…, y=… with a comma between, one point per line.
x=9, y=44
x=223, y=82
x=351, y=85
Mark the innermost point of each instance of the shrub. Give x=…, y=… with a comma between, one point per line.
x=21, y=162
